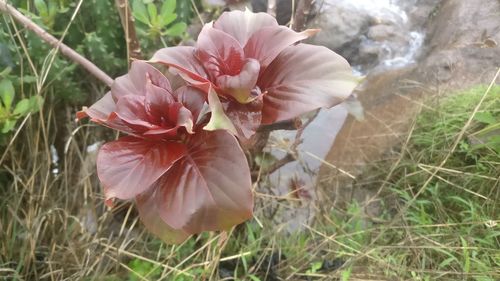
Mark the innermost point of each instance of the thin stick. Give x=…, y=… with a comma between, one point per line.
x=301, y=15
x=133, y=46
x=54, y=42
x=271, y=7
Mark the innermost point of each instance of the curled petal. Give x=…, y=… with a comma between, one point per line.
x=241, y=25
x=164, y=110
x=129, y=166
x=210, y=188
x=192, y=98
x=132, y=111
x=156, y=102
x=219, y=52
x=134, y=83
x=183, y=60
x=102, y=112
x=240, y=85
x=148, y=213
x=303, y=78
x=266, y=43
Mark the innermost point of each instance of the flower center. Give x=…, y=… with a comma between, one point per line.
x=242, y=85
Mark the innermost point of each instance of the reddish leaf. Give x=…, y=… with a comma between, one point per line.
x=219, y=52
x=240, y=86
x=157, y=102
x=131, y=110
x=209, y=188
x=148, y=212
x=182, y=58
x=129, y=166
x=266, y=43
x=192, y=98
x=134, y=83
x=165, y=111
x=303, y=78
x=102, y=112
x=241, y=25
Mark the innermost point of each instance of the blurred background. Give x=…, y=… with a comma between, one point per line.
x=399, y=182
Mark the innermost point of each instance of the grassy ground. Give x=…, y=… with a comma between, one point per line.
x=440, y=220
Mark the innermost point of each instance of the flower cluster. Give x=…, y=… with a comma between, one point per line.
x=180, y=159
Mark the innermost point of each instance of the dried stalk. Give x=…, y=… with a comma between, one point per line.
x=55, y=43
x=128, y=23
x=301, y=14
x=292, y=151
x=271, y=7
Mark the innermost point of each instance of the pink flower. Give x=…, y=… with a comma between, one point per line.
x=249, y=66
x=177, y=172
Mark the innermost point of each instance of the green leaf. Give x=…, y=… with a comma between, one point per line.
x=36, y=103
x=219, y=119
x=167, y=19
x=485, y=117
x=8, y=125
x=346, y=274
x=6, y=93
x=265, y=160
x=28, y=79
x=140, y=12
x=153, y=14
x=253, y=277
x=22, y=107
x=42, y=9
x=5, y=72
x=53, y=7
x=168, y=7
x=177, y=29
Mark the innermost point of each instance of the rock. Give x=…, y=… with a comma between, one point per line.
x=340, y=27
x=383, y=32
x=458, y=54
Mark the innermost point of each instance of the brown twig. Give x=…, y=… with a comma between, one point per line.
x=55, y=43
x=301, y=14
x=128, y=23
x=290, y=125
x=292, y=151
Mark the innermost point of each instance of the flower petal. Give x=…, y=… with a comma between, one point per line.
x=241, y=25
x=134, y=82
x=219, y=53
x=182, y=58
x=209, y=188
x=148, y=212
x=266, y=43
x=129, y=166
x=303, y=78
